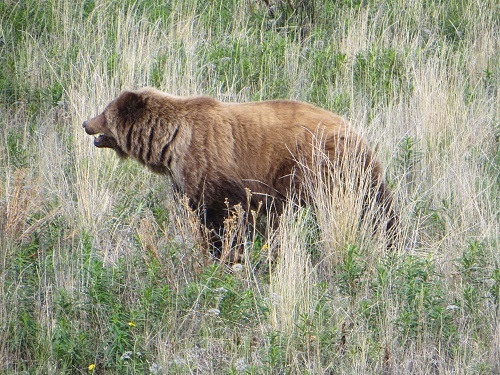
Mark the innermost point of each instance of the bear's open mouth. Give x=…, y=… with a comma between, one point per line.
x=100, y=140
x=103, y=140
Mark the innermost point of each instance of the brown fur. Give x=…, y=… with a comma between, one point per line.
x=214, y=151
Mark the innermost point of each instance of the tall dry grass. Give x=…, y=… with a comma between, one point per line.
x=89, y=243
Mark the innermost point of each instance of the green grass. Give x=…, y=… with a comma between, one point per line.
x=101, y=263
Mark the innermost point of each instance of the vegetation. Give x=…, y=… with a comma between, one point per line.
x=101, y=270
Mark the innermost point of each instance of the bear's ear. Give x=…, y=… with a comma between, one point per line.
x=130, y=105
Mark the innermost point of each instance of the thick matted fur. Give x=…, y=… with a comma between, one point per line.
x=215, y=151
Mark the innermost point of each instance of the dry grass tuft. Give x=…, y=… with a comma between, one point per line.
x=292, y=276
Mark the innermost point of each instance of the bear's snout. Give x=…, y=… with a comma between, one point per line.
x=87, y=128
x=95, y=125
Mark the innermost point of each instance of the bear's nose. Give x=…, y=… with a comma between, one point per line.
x=84, y=124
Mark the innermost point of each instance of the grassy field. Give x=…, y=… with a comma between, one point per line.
x=101, y=269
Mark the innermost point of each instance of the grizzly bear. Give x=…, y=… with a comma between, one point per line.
x=216, y=152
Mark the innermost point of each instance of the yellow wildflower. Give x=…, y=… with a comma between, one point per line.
x=91, y=367
x=131, y=324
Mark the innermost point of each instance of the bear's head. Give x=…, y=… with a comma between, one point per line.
x=112, y=126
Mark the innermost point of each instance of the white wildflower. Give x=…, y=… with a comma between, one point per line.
x=125, y=356
x=215, y=312
x=240, y=365
x=237, y=267
x=154, y=368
